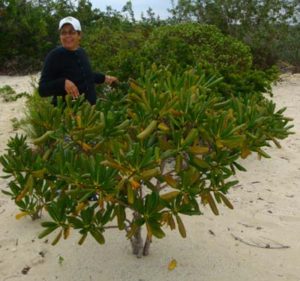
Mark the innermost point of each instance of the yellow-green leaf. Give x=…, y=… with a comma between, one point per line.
x=148, y=174
x=172, y=265
x=28, y=186
x=200, y=163
x=148, y=131
x=39, y=173
x=21, y=215
x=130, y=194
x=170, y=195
x=196, y=149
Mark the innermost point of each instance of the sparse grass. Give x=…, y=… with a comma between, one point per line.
x=8, y=94
x=15, y=123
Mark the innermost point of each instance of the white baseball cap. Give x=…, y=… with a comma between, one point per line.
x=70, y=20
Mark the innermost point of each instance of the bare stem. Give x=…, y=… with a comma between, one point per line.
x=110, y=226
x=147, y=246
x=137, y=240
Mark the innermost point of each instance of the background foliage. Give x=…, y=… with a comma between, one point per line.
x=261, y=24
x=28, y=29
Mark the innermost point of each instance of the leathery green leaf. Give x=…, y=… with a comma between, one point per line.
x=181, y=226
x=226, y=201
x=98, y=236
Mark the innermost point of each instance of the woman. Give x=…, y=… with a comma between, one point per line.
x=67, y=70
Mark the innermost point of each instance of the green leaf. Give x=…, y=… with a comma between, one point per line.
x=87, y=195
x=52, y=211
x=199, y=163
x=47, y=231
x=87, y=215
x=239, y=167
x=107, y=215
x=49, y=224
x=155, y=229
x=181, y=226
x=98, y=236
x=152, y=202
x=57, y=238
x=75, y=222
x=262, y=153
x=226, y=201
x=121, y=216
x=212, y=204
x=82, y=239
x=7, y=193
x=130, y=194
x=191, y=137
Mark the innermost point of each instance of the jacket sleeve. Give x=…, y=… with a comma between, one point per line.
x=50, y=83
x=99, y=78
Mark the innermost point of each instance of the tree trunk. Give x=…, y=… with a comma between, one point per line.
x=138, y=247
x=137, y=243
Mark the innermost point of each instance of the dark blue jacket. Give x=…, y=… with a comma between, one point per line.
x=61, y=64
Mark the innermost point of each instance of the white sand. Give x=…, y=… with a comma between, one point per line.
x=267, y=213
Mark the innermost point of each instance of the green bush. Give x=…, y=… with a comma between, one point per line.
x=185, y=45
x=262, y=25
x=129, y=48
x=188, y=45
x=115, y=48
x=157, y=148
x=20, y=40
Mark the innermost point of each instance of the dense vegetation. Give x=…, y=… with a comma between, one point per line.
x=262, y=25
x=269, y=28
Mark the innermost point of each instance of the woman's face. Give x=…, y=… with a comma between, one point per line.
x=69, y=37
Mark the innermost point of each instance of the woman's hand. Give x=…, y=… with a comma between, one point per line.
x=111, y=79
x=71, y=89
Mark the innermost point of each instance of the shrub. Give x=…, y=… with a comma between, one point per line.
x=158, y=148
x=184, y=45
x=192, y=44
x=262, y=25
x=129, y=47
x=115, y=48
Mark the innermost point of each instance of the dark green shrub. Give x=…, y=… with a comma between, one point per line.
x=189, y=45
x=289, y=48
x=123, y=50
x=185, y=45
x=115, y=48
x=22, y=29
x=262, y=25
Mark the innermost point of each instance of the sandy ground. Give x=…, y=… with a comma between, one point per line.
x=237, y=245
